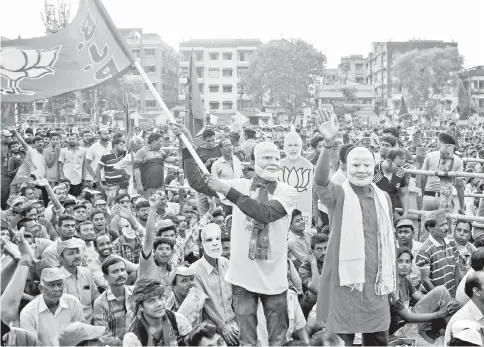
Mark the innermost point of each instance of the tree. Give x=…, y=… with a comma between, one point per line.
x=287, y=71
x=424, y=74
x=349, y=94
x=403, y=107
x=466, y=106
x=61, y=105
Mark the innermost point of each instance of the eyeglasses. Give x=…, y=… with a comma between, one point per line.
x=124, y=202
x=144, y=209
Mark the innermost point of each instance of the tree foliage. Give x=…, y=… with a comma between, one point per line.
x=465, y=106
x=61, y=105
x=349, y=93
x=424, y=74
x=287, y=71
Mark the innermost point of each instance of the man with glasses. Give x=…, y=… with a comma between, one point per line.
x=227, y=167
x=390, y=177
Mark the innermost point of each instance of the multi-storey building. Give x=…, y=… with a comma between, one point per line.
x=473, y=80
x=379, y=68
x=220, y=66
x=160, y=62
x=352, y=68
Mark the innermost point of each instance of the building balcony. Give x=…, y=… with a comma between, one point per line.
x=242, y=63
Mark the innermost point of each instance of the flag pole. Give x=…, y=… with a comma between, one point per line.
x=171, y=119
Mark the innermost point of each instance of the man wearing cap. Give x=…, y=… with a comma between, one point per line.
x=185, y=297
x=78, y=280
x=82, y=334
x=15, y=208
x=405, y=233
x=114, y=307
x=474, y=309
x=48, y=314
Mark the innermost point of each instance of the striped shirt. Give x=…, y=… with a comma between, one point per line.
x=441, y=260
x=113, y=177
x=151, y=165
x=114, y=315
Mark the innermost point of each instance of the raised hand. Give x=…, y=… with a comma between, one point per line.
x=155, y=200
x=327, y=125
x=26, y=251
x=41, y=181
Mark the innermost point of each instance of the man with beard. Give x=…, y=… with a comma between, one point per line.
x=310, y=271
x=79, y=213
x=262, y=210
x=104, y=248
x=48, y=314
x=51, y=155
x=16, y=158
x=15, y=208
x=78, y=280
x=31, y=212
x=387, y=142
x=155, y=254
x=6, y=136
x=210, y=272
x=86, y=139
x=359, y=270
x=154, y=325
x=185, y=297
x=114, y=307
x=71, y=160
x=95, y=153
x=85, y=231
x=227, y=167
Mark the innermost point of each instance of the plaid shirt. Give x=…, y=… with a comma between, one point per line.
x=123, y=250
x=187, y=244
x=115, y=316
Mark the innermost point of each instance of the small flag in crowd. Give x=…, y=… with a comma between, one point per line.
x=88, y=51
x=194, y=120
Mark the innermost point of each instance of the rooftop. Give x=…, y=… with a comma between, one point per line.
x=214, y=43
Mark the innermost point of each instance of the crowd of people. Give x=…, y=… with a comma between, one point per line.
x=115, y=239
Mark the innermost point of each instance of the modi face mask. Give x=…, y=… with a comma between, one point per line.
x=267, y=161
x=360, y=166
x=211, y=240
x=292, y=145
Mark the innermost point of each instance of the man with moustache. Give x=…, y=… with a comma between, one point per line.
x=85, y=231
x=405, y=234
x=210, y=273
x=16, y=158
x=262, y=210
x=78, y=280
x=103, y=245
x=359, y=270
x=114, y=308
x=71, y=161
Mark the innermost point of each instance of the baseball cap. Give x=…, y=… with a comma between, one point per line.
x=19, y=200
x=74, y=333
x=165, y=224
x=468, y=331
x=6, y=133
x=100, y=202
x=182, y=271
x=51, y=274
x=68, y=244
x=69, y=202
x=404, y=223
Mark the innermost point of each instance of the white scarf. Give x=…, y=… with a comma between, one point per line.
x=352, y=246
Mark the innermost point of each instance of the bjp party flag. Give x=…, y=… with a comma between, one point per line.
x=88, y=51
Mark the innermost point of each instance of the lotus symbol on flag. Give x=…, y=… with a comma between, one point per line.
x=297, y=178
x=18, y=64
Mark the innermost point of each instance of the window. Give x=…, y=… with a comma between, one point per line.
x=213, y=73
x=183, y=71
x=213, y=56
x=163, y=54
x=214, y=105
x=359, y=68
x=150, y=69
x=481, y=84
x=227, y=73
x=242, y=56
x=227, y=89
x=137, y=53
x=241, y=71
x=200, y=88
x=227, y=56
x=227, y=105
x=481, y=102
x=359, y=80
x=214, y=89
x=199, y=56
x=39, y=106
x=150, y=103
x=150, y=52
x=200, y=72
x=186, y=56
x=163, y=70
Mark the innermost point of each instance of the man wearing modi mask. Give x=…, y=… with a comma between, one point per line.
x=258, y=261
x=359, y=272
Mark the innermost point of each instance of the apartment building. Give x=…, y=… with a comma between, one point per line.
x=473, y=80
x=220, y=64
x=379, y=69
x=160, y=62
x=352, y=68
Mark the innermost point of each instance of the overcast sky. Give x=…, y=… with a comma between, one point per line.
x=337, y=28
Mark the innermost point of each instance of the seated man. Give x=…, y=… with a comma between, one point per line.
x=434, y=305
x=462, y=234
x=155, y=325
x=405, y=233
x=310, y=271
x=205, y=334
x=477, y=264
